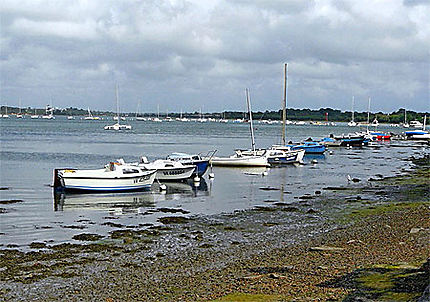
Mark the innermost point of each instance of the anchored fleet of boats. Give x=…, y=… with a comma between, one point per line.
x=122, y=176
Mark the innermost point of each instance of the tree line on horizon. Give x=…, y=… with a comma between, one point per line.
x=322, y=114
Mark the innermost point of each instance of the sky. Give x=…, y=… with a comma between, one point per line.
x=201, y=55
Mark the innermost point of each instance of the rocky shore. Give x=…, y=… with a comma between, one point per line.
x=377, y=249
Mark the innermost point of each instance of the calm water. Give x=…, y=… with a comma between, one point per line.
x=31, y=149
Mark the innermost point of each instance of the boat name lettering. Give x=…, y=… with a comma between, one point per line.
x=140, y=179
x=174, y=172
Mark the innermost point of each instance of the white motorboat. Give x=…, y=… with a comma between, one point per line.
x=279, y=155
x=415, y=124
x=117, y=126
x=418, y=134
x=168, y=169
x=200, y=162
x=116, y=176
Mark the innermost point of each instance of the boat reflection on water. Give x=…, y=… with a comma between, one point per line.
x=188, y=188
x=310, y=157
x=65, y=201
x=128, y=201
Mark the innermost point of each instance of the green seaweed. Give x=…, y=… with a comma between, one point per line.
x=241, y=297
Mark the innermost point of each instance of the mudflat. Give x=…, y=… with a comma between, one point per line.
x=376, y=250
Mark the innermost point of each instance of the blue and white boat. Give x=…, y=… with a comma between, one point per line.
x=309, y=147
x=419, y=134
x=196, y=160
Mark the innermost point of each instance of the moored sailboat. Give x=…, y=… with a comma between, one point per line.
x=251, y=158
x=117, y=126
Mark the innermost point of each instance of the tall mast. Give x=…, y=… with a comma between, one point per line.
x=405, y=117
x=248, y=102
x=284, y=104
x=425, y=120
x=368, y=115
x=352, y=108
x=117, y=102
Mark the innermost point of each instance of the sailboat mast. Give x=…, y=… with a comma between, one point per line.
x=284, y=105
x=352, y=108
x=425, y=120
x=405, y=117
x=368, y=115
x=117, y=102
x=248, y=102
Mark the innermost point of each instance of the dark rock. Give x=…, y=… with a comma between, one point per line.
x=269, y=189
x=311, y=211
x=87, y=237
x=173, y=219
x=317, y=192
x=264, y=209
x=37, y=245
x=230, y=228
x=112, y=224
x=290, y=209
x=160, y=228
x=170, y=210
x=77, y=227
x=205, y=246
x=336, y=188
x=10, y=201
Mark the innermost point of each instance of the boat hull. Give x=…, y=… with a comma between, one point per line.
x=175, y=174
x=201, y=167
x=316, y=149
x=71, y=182
x=251, y=161
x=100, y=184
x=290, y=157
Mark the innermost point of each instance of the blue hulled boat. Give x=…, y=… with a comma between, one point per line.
x=195, y=159
x=309, y=147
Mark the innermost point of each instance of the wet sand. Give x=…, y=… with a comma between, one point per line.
x=376, y=251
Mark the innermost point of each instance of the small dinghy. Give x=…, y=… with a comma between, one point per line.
x=115, y=177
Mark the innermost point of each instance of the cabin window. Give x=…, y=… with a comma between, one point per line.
x=195, y=158
x=130, y=171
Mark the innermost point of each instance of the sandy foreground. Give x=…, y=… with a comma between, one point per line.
x=376, y=251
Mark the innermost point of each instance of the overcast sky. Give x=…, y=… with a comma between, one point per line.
x=186, y=54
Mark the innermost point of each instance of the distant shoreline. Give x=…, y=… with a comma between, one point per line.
x=323, y=114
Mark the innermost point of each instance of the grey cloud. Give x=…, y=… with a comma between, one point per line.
x=205, y=53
